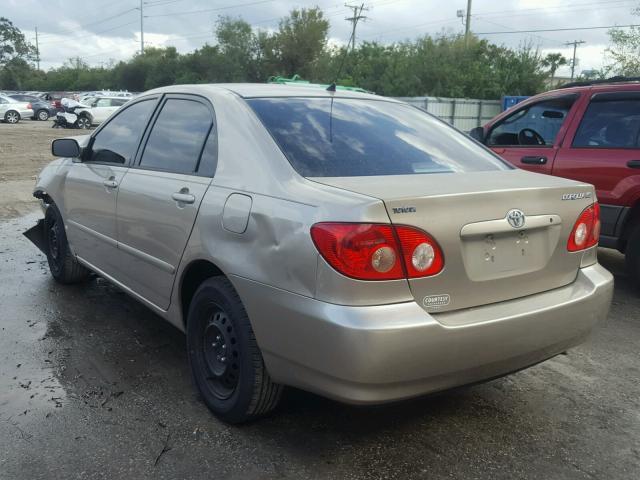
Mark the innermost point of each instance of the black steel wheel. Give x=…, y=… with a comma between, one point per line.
x=226, y=363
x=62, y=263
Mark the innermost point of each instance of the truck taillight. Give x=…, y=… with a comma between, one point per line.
x=369, y=251
x=586, y=230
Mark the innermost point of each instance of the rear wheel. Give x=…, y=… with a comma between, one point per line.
x=62, y=263
x=43, y=115
x=632, y=255
x=12, y=117
x=225, y=360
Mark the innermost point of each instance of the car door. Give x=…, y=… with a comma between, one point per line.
x=159, y=197
x=91, y=186
x=530, y=136
x=100, y=110
x=604, y=149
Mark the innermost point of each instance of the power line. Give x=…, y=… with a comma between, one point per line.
x=559, y=29
x=354, y=19
x=173, y=14
x=575, y=44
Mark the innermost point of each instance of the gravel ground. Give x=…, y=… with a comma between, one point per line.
x=93, y=385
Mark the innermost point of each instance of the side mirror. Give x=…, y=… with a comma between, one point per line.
x=477, y=134
x=65, y=147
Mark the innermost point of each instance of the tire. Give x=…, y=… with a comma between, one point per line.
x=12, y=117
x=632, y=255
x=42, y=115
x=63, y=265
x=83, y=122
x=226, y=363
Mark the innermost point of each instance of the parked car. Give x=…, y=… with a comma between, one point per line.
x=42, y=109
x=339, y=242
x=11, y=111
x=99, y=108
x=588, y=132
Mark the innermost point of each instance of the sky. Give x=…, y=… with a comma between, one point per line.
x=100, y=31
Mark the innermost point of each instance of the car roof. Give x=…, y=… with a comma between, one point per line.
x=254, y=90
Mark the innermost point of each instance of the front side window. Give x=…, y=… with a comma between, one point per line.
x=534, y=125
x=325, y=137
x=118, y=141
x=177, y=137
x=103, y=102
x=610, y=124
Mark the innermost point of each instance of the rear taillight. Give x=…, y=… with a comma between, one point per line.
x=29, y=107
x=586, y=230
x=367, y=251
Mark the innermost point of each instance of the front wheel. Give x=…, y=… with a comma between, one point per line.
x=226, y=363
x=83, y=122
x=632, y=255
x=12, y=117
x=62, y=263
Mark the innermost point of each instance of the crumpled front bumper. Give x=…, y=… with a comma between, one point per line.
x=377, y=354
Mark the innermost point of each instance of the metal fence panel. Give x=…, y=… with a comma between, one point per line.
x=462, y=113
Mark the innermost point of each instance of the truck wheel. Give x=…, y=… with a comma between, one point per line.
x=632, y=255
x=63, y=265
x=226, y=363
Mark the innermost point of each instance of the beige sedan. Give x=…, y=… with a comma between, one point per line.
x=337, y=242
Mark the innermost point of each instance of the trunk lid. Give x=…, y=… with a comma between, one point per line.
x=487, y=259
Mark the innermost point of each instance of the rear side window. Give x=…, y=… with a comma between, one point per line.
x=537, y=124
x=324, y=137
x=610, y=124
x=117, y=142
x=178, y=136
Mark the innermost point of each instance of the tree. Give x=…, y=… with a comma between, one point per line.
x=13, y=44
x=300, y=41
x=553, y=61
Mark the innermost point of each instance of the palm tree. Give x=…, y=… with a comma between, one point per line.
x=553, y=61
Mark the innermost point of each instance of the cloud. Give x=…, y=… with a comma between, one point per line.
x=102, y=30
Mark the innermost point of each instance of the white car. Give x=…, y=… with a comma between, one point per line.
x=100, y=108
x=11, y=111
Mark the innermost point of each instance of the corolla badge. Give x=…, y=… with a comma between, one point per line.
x=516, y=218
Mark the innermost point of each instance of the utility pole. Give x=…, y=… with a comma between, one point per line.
x=141, y=29
x=357, y=16
x=467, y=24
x=37, y=50
x=575, y=44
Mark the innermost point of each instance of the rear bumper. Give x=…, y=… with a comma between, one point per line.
x=377, y=354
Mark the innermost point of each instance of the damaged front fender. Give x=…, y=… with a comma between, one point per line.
x=37, y=236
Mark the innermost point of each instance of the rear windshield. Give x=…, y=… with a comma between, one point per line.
x=324, y=137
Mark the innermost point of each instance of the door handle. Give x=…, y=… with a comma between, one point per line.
x=633, y=164
x=534, y=160
x=181, y=197
x=111, y=183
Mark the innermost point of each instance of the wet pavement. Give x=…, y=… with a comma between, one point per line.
x=93, y=385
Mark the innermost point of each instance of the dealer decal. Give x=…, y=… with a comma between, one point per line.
x=436, y=301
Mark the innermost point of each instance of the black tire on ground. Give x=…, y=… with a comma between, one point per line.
x=63, y=265
x=42, y=115
x=83, y=122
x=12, y=117
x=632, y=255
x=226, y=363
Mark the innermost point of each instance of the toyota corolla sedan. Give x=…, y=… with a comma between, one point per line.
x=338, y=242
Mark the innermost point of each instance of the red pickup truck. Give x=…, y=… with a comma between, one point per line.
x=588, y=132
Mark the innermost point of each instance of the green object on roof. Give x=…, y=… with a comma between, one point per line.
x=296, y=80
